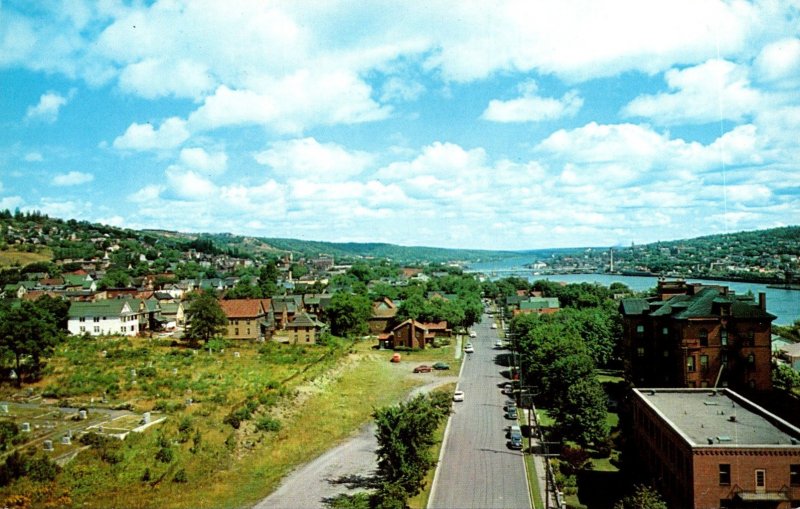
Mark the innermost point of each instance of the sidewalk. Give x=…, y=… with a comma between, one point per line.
x=540, y=463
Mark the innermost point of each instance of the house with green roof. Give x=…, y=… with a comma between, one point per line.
x=126, y=317
x=706, y=336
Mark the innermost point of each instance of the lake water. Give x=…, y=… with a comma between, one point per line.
x=785, y=304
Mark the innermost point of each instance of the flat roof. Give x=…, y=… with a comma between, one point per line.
x=719, y=418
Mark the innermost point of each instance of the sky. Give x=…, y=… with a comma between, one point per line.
x=464, y=124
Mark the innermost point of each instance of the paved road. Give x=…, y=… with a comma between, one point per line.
x=477, y=468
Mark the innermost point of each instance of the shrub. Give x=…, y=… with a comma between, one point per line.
x=180, y=476
x=268, y=423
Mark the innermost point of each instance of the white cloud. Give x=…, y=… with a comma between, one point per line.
x=779, y=63
x=146, y=194
x=397, y=89
x=33, y=157
x=709, y=92
x=291, y=104
x=146, y=78
x=46, y=110
x=189, y=186
x=307, y=158
x=73, y=178
x=530, y=107
x=197, y=158
x=141, y=137
x=10, y=202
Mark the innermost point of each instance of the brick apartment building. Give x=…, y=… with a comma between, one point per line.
x=692, y=335
x=712, y=448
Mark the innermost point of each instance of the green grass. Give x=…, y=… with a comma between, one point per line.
x=13, y=258
x=536, y=495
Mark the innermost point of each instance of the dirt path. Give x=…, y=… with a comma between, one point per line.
x=347, y=468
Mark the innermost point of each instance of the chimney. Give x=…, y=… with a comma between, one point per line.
x=762, y=301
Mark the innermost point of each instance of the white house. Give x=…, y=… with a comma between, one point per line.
x=116, y=316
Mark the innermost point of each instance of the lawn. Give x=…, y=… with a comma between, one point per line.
x=14, y=258
x=317, y=395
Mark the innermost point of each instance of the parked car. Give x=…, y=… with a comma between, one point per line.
x=508, y=388
x=458, y=396
x=499, y=344
x=469, y=348
x=441, y=365
x=473, y=334
x=515, y=438
x=511, y=413
x=422, y=368
x=510, y=403
x=494, y=326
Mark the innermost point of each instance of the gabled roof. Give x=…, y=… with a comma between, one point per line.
x=634, y=306
x=242, y=308
x=110, y=307
x=305, y=320
x=410, y=321
x=540, y=303
x=703, y=304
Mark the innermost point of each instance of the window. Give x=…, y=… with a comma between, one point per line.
x=723, y=338
x=96, y=329
x=82, y=319
x=96, y=319
x=666, y=353
x=751, y=359
x=665, y=331
x=640, y=329
x=640, y=351
x=703, y=337
x=690, y=366
x=761, y=480
x=83, y=329
x=794, y=475
x=704, y=363
x=724, y=358
x=724, y=474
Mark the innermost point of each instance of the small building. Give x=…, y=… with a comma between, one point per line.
x=712, y=448
x=382, y=319
x=304, y=329
x=537, y=305
x=409, y=334
x=246, y=318
x=106, y=317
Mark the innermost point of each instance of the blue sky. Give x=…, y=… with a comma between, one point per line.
x=496, y=125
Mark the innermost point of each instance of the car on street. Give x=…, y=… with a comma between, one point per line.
x=458, y=396
x=422, y=368
x=473, y=334
x=494, y=326
x=469, y=349
x=511, y=413
x=441, y=365
x=515, y=438
x=508, y=388
x=510, y=403
x=499, y=344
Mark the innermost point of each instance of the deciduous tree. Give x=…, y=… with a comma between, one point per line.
x=205, y=318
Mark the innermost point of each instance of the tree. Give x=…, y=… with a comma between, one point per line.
x=205, y=318
x=405, y=434
x=581, y=413
x=348, y=314
x=785, y=377
x=643, y=497
x=27, y=331
x=115, y=278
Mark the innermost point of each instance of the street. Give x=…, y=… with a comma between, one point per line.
x=477, y=468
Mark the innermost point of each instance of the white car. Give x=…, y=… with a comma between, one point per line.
x=473, y=334
x=458, y=396
x=469, y=349
x=494, y=326
x=499, y=344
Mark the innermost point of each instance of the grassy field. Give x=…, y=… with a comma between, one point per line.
x=318, y=396
x=14, y=258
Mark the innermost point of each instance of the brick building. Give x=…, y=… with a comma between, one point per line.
x=692, y=335
x=712, y=448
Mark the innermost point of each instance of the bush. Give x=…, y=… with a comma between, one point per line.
x=180, y=476
x=268, y=424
